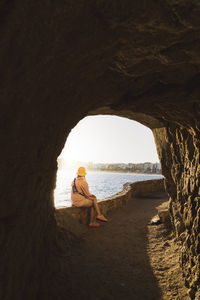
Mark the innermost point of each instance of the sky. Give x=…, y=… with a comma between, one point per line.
x=110, y=139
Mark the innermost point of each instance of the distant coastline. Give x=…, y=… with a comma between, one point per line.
x=126, y=172
x=139, y=168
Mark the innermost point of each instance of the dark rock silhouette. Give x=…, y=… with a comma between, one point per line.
x=64, y=60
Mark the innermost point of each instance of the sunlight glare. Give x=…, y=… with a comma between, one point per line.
x=110, y=139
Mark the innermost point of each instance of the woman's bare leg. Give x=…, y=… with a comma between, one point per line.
x=90, y=203
x=92, y=215
x=96, y=206
x=95, y=209
x=99, y=215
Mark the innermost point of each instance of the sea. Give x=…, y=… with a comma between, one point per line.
x=103, y=184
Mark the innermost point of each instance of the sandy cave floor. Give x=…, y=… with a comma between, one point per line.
x=125, y=258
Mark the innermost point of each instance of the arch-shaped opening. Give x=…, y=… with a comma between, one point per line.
x=114, y=149
x=105, y=57
x=120, y=246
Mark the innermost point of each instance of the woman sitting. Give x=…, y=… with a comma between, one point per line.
x=81, y=197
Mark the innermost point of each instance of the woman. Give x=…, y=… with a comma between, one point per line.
x=81, y=197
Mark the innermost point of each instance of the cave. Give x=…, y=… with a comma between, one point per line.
x=64, y=60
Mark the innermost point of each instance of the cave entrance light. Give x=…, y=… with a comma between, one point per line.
x=105, y=143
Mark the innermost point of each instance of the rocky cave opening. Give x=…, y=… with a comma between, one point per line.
x=63, y=61
x=105, y=142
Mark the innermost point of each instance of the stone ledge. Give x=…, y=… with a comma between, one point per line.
x=130, y=191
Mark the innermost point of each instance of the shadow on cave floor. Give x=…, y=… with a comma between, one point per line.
x=111, y=262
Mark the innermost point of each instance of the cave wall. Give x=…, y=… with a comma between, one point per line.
x=180, y=164
x=64, y=60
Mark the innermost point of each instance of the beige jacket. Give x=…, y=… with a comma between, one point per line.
x=82, y=187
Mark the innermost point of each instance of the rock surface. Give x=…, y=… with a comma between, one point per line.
x=164, y=213
x=61, y=61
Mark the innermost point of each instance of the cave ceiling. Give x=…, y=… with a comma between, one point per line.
x=138, y=59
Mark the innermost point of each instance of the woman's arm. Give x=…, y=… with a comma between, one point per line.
x=85, y=190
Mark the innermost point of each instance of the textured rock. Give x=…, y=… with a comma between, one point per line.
x=64, y=60
x=164, y=214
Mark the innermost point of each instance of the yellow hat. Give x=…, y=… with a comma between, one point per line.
x=81, y=171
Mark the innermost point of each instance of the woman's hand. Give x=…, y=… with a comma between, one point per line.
x=93, y=196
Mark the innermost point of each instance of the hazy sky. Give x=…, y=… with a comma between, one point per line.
x=110, y=139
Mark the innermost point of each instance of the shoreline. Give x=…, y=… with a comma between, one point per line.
x=111, y=171
x=124, y=172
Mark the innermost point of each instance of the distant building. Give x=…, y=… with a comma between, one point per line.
x=146, y=167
